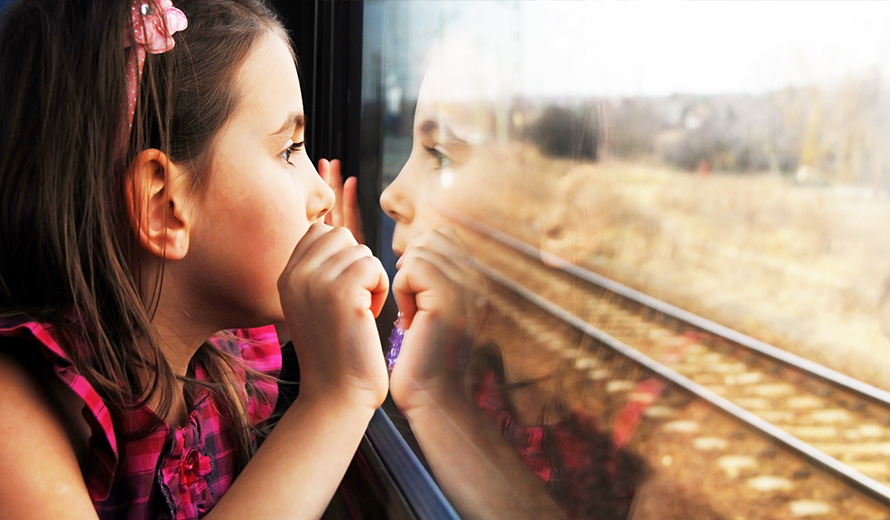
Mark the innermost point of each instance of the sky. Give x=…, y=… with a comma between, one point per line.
x=654, y=49
x=710, y=47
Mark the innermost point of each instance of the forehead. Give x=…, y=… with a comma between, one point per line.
x=268, y=87
x=467, y=120
x=461, y=94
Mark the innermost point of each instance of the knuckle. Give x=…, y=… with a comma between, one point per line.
x=343, y=233
x=367, y=262
x=285, y=279
x=370, y=264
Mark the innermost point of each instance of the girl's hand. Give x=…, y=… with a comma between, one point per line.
x=345, y=211
x=439, y=294
x=331, y=291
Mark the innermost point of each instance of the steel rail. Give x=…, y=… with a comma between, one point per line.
x=831, y=376
x=873, y=487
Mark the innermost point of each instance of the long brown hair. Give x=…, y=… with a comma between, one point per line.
x=67, y=252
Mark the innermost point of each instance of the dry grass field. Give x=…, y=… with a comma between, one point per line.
x=802, y=267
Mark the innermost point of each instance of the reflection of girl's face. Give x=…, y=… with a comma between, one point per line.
x=462, y=159
x=438, y=173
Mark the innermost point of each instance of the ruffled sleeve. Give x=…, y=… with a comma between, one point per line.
x=103, y=450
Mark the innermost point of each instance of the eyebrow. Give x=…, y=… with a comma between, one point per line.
x=429, y=127
x=295, y=121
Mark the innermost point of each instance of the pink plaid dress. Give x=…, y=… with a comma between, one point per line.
x=173, y=473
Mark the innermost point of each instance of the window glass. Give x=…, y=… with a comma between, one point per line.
x=671, y=227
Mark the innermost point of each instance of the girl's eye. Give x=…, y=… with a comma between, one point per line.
x=290, y=150
x=440, y=155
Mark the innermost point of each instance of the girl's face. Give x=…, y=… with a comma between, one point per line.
x=261, y=196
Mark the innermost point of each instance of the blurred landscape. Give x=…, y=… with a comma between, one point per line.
x=745, y=181
x=802, y=267
x=767, y=213
x=831, y=134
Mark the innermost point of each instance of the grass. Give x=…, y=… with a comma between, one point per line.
x=805, y=268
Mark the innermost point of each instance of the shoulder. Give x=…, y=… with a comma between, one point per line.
x=22, y=389
x=40, y=437
x=55, y=387
x=19, y=387
x=29, y=386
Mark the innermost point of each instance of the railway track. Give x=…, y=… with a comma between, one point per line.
x=792, y=439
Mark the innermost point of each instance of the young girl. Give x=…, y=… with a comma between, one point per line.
x=154, y=189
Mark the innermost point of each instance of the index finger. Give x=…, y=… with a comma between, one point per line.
x=330, y=172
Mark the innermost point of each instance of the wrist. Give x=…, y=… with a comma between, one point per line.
x=446, y=392
x=340, y=395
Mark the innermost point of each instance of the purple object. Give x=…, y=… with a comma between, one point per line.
x=395, y=342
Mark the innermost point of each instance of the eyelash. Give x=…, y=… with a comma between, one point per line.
x=438, y=153
x=290, y=150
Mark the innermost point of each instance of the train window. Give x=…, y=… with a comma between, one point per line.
x=662, y=233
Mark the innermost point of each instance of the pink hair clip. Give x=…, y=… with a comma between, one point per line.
x=154, y=24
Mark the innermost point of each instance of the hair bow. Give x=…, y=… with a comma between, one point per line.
x=153, y=24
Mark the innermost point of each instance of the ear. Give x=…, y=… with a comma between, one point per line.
x=156, y=195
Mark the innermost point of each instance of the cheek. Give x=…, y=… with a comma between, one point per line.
x=268, y=216
x=451, y=190
x=284, y=218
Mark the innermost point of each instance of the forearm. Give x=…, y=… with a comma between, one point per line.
x=479, y=471
x=298, y=468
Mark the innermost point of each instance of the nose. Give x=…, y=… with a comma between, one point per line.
x=320, y=197
x=396, y=201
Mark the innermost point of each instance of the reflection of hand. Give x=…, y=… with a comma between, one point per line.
x=345, y=211
x=331, y=290
x=442, y=300
x=437, y=298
